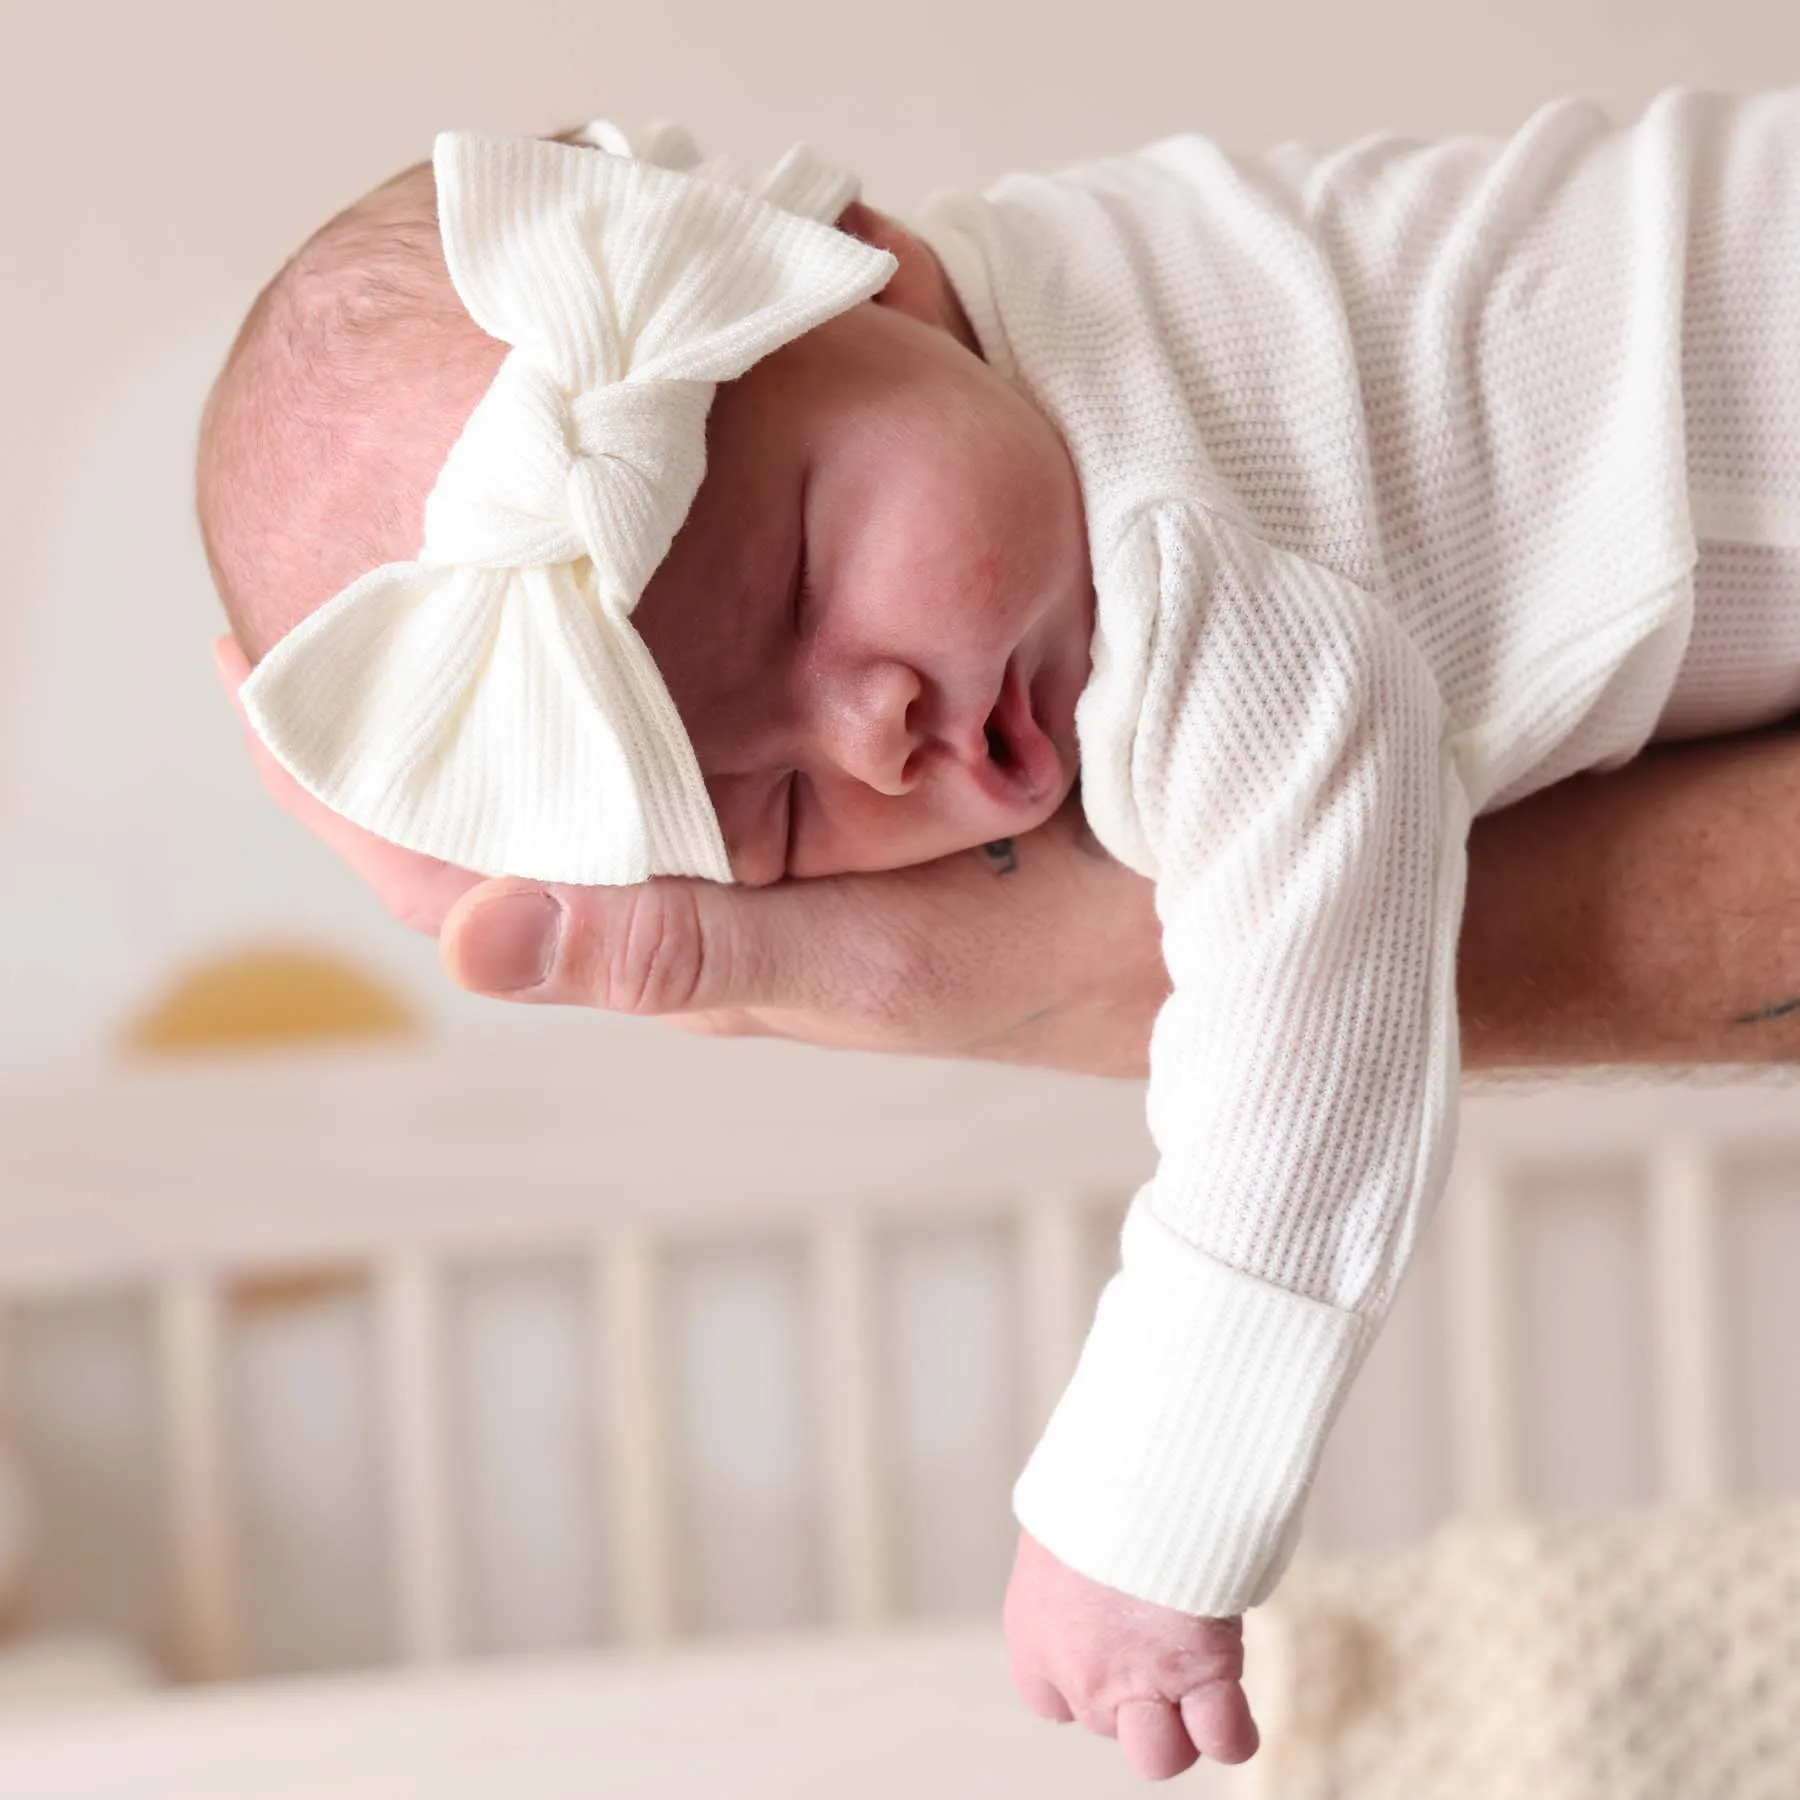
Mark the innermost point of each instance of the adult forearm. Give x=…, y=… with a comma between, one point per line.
x=1647, y=916
x=1650, y=915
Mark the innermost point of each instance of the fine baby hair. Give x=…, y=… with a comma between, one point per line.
x=488, y=702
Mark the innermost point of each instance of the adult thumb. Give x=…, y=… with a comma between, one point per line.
x=667, y=946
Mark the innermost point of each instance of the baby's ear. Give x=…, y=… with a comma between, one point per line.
x=919, y=287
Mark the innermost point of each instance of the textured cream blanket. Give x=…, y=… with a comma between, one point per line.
x=1653, y=1655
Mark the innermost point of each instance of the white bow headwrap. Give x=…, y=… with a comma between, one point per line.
x=490, y=703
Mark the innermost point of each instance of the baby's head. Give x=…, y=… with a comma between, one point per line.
x=874, y=619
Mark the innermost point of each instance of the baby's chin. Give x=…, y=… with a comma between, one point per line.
x=1001, y=848
x=994, y=834
x=997, y=843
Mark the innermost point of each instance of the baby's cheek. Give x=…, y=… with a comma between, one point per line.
x=751, y=819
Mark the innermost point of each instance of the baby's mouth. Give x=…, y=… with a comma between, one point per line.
x=1022, y=766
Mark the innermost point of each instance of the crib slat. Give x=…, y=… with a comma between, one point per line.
x=428, y=1595
x=633, y=1442
x=204, y=1549
x=856, y=1489
x=1685, y=1258
x=1478, y=1282
x=1057, y=1300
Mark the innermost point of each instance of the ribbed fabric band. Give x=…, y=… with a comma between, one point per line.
x=1177, y=1460
x=490, y=704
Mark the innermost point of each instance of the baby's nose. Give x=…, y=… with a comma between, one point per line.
x=875, y=726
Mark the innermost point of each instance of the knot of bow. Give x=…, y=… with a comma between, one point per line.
x=489, y=703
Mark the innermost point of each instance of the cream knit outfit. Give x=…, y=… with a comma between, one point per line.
x=1418, y=477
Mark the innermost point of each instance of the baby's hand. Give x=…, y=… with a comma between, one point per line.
x=1166, y=1685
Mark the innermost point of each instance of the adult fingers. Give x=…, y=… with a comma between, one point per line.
x=662, y=947
x=679, y=947
x=1218, y=1720
x=1056, y=963
x=1153, y=1739
x=418, y=890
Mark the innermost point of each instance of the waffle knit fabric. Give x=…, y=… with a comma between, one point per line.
x=1418, y=476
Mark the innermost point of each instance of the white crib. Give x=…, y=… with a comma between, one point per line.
x=184, y=1182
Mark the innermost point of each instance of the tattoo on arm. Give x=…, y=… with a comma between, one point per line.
x=1002, y=856
x=1763, y=1014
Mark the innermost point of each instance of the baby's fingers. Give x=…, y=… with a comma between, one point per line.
x=1154, y=1739
x=1043, y=1697
x=1218, y=1721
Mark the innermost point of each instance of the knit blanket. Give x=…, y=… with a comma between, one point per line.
x=1651, y=1656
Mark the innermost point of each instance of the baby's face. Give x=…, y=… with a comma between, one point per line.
x=875, y=621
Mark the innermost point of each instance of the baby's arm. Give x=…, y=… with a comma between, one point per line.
x=1312, y=836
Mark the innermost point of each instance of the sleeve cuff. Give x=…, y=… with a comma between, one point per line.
x=1178, y=1461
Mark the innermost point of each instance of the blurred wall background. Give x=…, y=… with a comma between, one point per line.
x=156, y=164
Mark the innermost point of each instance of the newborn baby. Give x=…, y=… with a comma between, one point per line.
x=1311, y=504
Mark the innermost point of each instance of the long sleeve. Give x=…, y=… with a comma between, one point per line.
x=1397, y=460
x=1303, y=1074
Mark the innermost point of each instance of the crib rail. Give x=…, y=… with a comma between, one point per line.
x=631, y=1449
x=119, y=1178
x=181, y=1183
x=1680, y=1144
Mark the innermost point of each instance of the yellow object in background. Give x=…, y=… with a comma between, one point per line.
x=267, y=995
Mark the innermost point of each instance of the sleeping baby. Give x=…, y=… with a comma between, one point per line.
x=589, y=512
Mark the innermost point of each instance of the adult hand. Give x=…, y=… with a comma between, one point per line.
x=1041, y=949
x=1650, y=915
